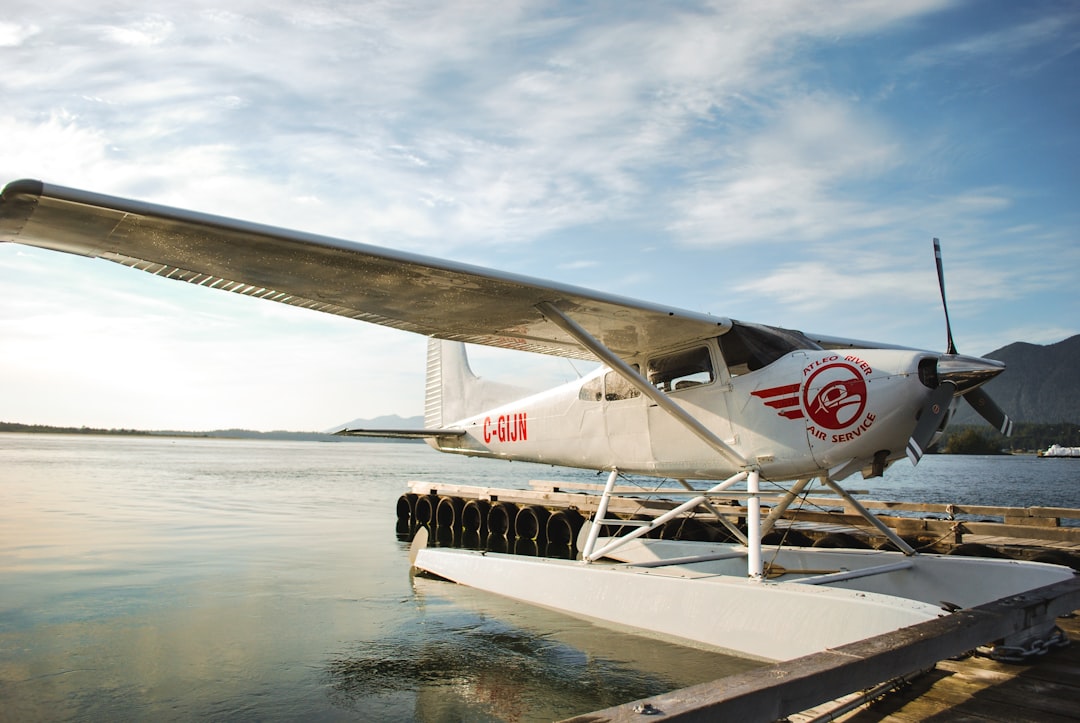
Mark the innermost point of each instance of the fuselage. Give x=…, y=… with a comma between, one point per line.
x=804, y=413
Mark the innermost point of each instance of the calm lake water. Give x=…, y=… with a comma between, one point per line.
x=154, y=578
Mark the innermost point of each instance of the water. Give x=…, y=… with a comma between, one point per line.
x=999, y=481
x=150, y=578
x=190, y=578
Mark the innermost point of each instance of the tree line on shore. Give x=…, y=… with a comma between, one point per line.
x=1026, y=438
x=216, y=433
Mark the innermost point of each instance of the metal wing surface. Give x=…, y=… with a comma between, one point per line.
x=407, y=291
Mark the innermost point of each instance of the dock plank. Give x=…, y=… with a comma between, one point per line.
x=978, y=688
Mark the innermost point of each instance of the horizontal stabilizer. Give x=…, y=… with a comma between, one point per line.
x=402, y=433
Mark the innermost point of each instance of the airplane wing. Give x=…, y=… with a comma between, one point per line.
x=421, y=294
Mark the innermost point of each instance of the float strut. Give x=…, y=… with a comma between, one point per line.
x=870, y=517
x=753, y=527
x=601, y=513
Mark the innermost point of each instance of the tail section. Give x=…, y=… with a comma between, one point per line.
x=436, y=413
x=454, y=392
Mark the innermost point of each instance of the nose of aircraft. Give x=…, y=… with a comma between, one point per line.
x=950, y=375
x=966, y=372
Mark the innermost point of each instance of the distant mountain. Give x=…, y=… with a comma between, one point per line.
x=1041, y=384
x=389, y=421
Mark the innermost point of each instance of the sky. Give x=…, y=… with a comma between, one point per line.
x=786, y=163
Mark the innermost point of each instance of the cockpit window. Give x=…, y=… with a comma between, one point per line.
x=749, y=347
x=681, y=370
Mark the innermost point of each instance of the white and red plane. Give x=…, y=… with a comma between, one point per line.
x=679, y=394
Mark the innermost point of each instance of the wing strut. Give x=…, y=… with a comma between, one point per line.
x=587, y=340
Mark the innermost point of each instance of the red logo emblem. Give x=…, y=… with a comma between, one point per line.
x=835, y=396
x=784, y=399
x=832, y=397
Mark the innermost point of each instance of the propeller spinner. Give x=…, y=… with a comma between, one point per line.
x=955, y=374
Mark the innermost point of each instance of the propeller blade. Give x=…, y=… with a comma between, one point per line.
x=967, y=374
x=981, y=402
x=930, y=420
x=944, y=304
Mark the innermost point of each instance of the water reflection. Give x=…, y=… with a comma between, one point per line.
x=476, y=656
x=475, y=673
x=490, y=542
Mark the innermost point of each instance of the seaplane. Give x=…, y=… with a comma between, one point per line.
x=709, y=402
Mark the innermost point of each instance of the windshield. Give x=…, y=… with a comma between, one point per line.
x=749, y=347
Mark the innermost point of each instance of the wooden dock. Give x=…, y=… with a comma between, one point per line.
x=1045, y=534
x=1046, y=690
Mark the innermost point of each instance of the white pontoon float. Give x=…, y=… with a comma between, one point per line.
x=781, y=605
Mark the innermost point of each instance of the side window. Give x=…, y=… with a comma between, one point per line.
x=592, y=390
x=617, y=388
x=681, y=370
x=610, y=387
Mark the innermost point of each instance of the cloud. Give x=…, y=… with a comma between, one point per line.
x=58, y=146
x=815, y=287
x=14, y=34
x=579, y=264
x=793, y=179
x=438, y=125
x=140, y=33
x=1047, y=37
